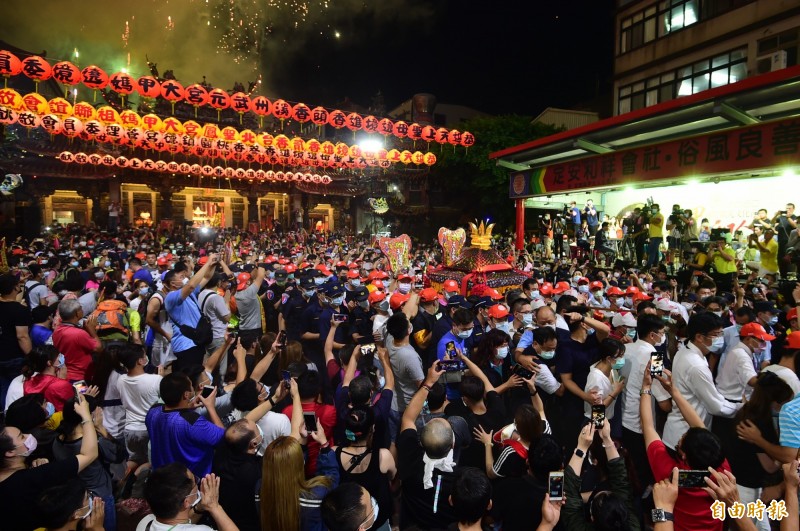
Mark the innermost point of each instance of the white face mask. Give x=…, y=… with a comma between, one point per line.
x=527, y=318
x=404, y=288
x=535, y=294
x=501, y=352
x=629, y=302
x=355, y=282
x=583, y=288
x=185, y=281
x=505, y=326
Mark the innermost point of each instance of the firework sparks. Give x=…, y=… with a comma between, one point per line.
x=126, y=35
x=170, y=24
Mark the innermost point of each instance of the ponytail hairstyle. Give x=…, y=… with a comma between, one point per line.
x=37, y=360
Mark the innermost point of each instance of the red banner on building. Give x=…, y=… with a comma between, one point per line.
x=758, y=146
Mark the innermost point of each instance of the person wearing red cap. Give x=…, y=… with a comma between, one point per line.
x=738, y=374
x=248, y=303
x=424, y=322
x=450, y=289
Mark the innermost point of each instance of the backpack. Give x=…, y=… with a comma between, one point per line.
x=201, y=334
x=112, y=318
x=26, y=292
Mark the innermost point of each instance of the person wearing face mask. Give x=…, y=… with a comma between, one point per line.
x=353, y=281
x=68, y=506
x=45, y=372
x=293, y=307
x=141, y=289
x=530, y=288
x=96, y=477
x=445, y=323
x=237, y=464
x=138, y=391
x=20, y=486
x=497, y=319
x=738, y=374
x=623, y=328
x=360, y=330
x=523, y=317
x=350, y=507
x=424, y=323
x=656, y=232
x=597, y=297
x=692, y=377
x=766, y=316
x=604, y=377
x=177, y=499
x=450, y=289
x=248, y=302
x=216, y=308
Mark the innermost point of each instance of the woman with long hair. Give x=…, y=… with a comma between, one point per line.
x=362, y=462
x=288, y=500
x=749, y=463
x=45, y=371
x=492, y=357
x=107, y=370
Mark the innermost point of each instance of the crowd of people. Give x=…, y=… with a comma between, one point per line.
x=293, y=381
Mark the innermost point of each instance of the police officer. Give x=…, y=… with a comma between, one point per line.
x=294, y=304
x=424, y=323
x=273, y=298
x=333, y=304
x=445, y=324
x=361, y=317
x=352, y=285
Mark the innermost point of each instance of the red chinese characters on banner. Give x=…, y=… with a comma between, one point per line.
x=94, y=77
x=36, y=68
x=196, y=95
x=148, y=87
x=766, y=145
x=10, y=65
x=219, y=99
x=122, y=83
x=67, y=73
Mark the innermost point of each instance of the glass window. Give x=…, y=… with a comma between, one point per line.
x=738, y=55
x=638, y=86
x=637, y=101
x=624, y=105
x=700, y=66
x=667, y=77
x=719, y=77
x=719, y=61
x=665, y=93
x=738, y=72
x=700, y=83
x=649, y=29
x=652, y=97
x=625, y=91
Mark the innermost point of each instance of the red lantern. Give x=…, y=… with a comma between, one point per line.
x=36, y=68
x=261, y=106
x=197, y=95
x=385, y=127
x=281, y=110
x=10, y=65
x=301, y=113
x=337, y=119
x=454, y=137
x=467, y=139
x=428, y=133
x=219, y=99
x=66, y=156
x=400, y=129
x=35, y=103
x=122, y=83
x=354, y=121
x=94, y=77
x=319, y=115
x=415, y=132
x=67, y=73
x=240, y=102
x=442, y=135
x=370, y=124
x=172, y=91
x=148, y=86
x=28, y=119
x=429, y=159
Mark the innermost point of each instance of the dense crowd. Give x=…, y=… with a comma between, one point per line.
x=293, y=381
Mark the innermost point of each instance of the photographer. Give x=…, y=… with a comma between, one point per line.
x=768, y=249
x=559, y=229
x=723, y=257
x=546, y=232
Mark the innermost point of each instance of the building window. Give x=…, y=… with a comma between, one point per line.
x=677, y=14
x=713, y=72
x=668, y=16
x=783, y=42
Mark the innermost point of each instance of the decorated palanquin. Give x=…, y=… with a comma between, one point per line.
x=476, y=267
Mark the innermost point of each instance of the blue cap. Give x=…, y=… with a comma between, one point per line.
x=333, y=289
x=458, y=301
x=307, y=283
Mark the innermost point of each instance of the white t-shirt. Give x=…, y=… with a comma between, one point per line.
x=603, y=384
x=273, y=425
x=113, y=416
x=36, y=294
x=784, y=373
x=158, y=526
x=138, y=394
x=215, y=308
x=15, y=390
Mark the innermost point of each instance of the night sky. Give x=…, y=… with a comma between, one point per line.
x=518, y=58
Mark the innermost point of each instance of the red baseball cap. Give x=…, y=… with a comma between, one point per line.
x=614, y=290
x=494, y=294
x=405, y=277
x=632, y=290
x=596, y=285
x=241, y=281
x=376, y=296
x=162, y=261
x=397, y=299
x=451, y=285
x=640, y=296
x=561, y=287
x=353, y=273
x=583, y=280
x=498, y=311
x=428, y=295
x=546, y=288
x=757, y=331
x=290, y=268
x=791, y=315
x=378, y=284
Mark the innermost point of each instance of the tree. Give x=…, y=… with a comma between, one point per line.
x=471, y=180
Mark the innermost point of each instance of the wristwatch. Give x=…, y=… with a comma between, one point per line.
x=580, y=453
x=660, y=515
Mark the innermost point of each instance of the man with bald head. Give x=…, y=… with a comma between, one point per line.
x=425, y=464
x=237, y=462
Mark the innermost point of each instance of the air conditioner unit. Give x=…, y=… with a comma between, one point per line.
x=778, y=60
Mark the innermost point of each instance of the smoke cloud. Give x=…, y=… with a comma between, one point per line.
x=224, y=40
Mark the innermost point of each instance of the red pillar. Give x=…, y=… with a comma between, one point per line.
x=520, y=243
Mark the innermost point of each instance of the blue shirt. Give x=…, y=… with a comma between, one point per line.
x=789, y=422
x=576, y=215
x=183, y=311
x=591, y=219
x=182, y=435
x=40, y=335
